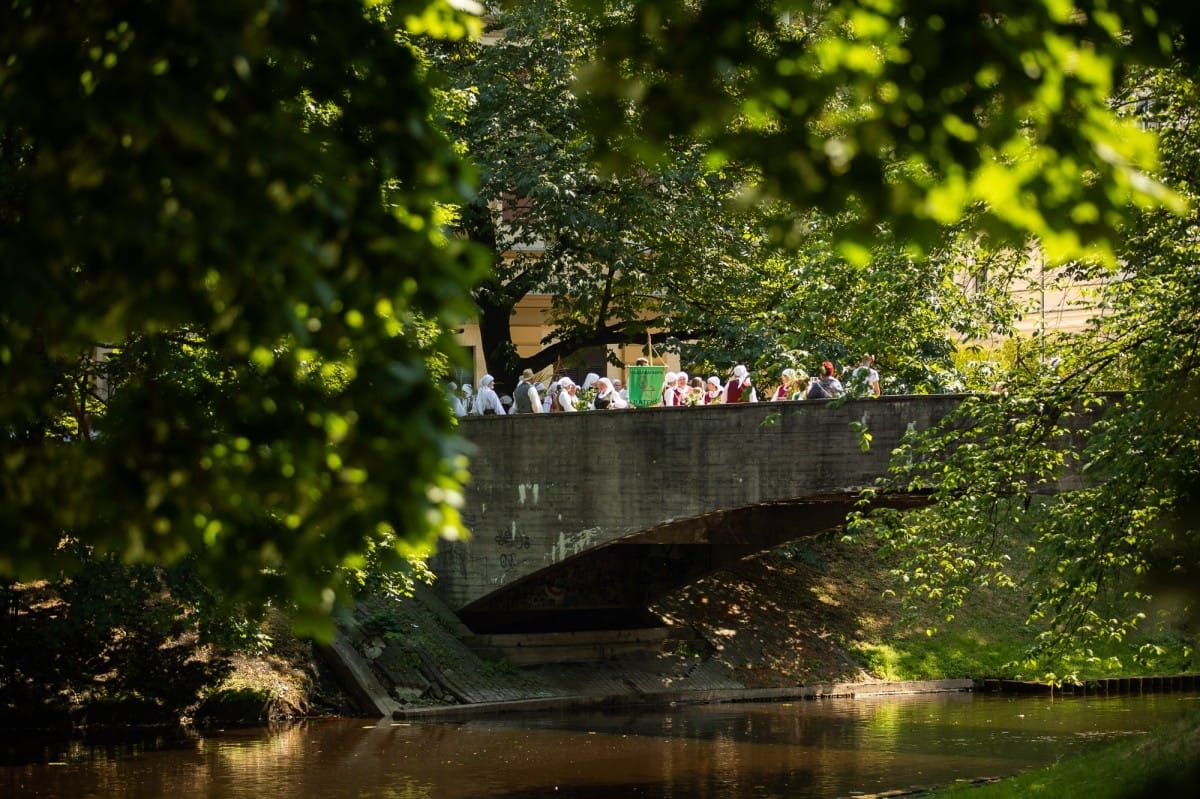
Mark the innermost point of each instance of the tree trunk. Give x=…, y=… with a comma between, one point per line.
x=499, y=353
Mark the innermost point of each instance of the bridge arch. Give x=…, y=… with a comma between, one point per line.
x=577, y=519
x=610, y=586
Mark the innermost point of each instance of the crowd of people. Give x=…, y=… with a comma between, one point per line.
x=564, y=395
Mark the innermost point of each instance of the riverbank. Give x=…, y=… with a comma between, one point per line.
x=807, y=620
x=776, y=626
x=1164, y=763
x=725, y=637
x=773, y=627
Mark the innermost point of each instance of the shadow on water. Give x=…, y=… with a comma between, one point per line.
x=24, y=747
x=794, y=750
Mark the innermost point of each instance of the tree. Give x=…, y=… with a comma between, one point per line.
x=621, y=252
x=917, y=115
x=907, y=307
x=917, y=112
x=245, y=202
x=113, y=643
x=1123, y=552
x=815, y=133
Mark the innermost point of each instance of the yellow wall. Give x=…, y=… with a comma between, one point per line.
x=1063, y=308
x=528, y=330
x=1066, y=309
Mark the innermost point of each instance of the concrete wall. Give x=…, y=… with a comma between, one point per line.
x=601, y=510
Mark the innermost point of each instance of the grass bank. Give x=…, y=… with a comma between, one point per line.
x=821, y=609
x=1165, y=763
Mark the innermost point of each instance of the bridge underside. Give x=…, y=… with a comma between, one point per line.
x=612, y=587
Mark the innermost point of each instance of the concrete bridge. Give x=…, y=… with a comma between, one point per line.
x=580, y=521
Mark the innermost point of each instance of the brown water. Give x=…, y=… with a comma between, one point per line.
x=826, y=748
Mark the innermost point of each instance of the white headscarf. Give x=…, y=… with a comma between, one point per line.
x=551, y=395
x=486, y=399
x=591, y=378
x=740, y=372
x=564, y=399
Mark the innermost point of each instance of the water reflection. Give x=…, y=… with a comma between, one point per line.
x=803, y=749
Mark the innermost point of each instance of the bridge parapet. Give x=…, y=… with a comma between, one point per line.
x=593, y=513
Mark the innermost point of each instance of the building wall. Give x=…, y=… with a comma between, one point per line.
x=528, y=330
x=1065, y=308
x=1052, y=305
x=1052, y=301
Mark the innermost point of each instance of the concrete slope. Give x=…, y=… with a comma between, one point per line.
x=410, y=658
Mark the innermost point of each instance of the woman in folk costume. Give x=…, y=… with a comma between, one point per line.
x=739, y=388
x=669, y=397
x=681, y=388
x=787, y=387
x=567, y=391
x=550, y=398
x=607, y=397
x=713, y=391
x=456, y=401
x=487, y=401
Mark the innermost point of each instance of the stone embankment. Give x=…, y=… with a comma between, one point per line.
x=413, y=658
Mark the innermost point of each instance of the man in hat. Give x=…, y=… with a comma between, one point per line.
x=525, y=397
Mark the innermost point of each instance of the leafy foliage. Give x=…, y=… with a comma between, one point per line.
x=619, y=252
x=111, y=632
x=246, y=203
x=919, y=111
x=672, y=251
x=1122, y=552
x=813, y=305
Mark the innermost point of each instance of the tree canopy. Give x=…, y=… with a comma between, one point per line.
x=1123, y=551
x=665, y=250
x=916, y=112
x=244, y=203
x=618, y=252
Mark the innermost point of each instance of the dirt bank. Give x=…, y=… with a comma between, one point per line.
x=788, y=616
x=780, y=621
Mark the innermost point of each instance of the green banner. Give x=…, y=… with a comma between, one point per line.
x=645, y=385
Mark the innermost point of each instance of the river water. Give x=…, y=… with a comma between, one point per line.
x=826, y=748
